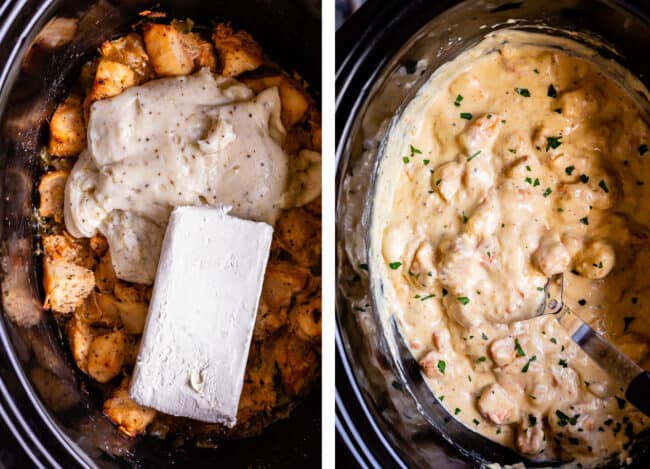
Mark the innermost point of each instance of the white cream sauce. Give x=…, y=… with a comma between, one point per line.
x=196, y=140
x=515, y=161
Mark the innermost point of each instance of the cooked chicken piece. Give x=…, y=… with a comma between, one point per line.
x=299, y=233
x=99, y=310
x=314, y=121
x=298, y=138
x=51, y=190
x=582, y=102
x=105, y=275
x=132, y=419
x=295, y=102
x=131, y=351
x=269, y=320
x=551, y=257
x=503, y=351
x=298, y=364
x=258, y=394
x=201, y=51
x=66, y=285
x=168, y=50
x=446, y=179
x=106, y=355
x=531, y=439
x=442, y=340
x=110, y=80
x=422, y=269
x=481, y=134
x=485, y=219
x=133, y=315
x=67, y=131
x=434, y=365
x=80, y=335
x=130, y=292
x=129, y=50
x=65, y=247
x=99, y=244
x=238, y=51
x=87, y=76
x=281, y=282
x=496, y=405
x=306, y=320
x=596, y=260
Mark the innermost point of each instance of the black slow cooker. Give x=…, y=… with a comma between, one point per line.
x=385, y=415
x=41, y=401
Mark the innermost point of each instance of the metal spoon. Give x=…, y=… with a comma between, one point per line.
x=629, y=375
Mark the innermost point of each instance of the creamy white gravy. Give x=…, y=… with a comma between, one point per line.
x=518, y=160
x=196, y=140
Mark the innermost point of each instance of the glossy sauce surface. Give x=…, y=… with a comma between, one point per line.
x=518, y=160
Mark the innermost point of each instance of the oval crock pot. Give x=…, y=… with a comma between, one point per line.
x=386, y=416
x=42, y=398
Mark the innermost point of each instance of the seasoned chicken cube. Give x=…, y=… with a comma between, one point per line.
x=551, y=257
x=281, y=282
x=446, y=179
x=201, y=51
x=67, y=131
x=596, y=260
x=295, y=102
x=132, y=419
x=298, y=364
x=110, y=80
x=298, y=232
x=168, y=50
x=105, y=275
x=238, y=51
x=481, y=134
x=99, y=310
x=51, y=190
x=106, y=355
x=581, y=102
x=65, y=247
x=99, y=244
x=485, y=219
x=503, y=351
x=306, y=319
x=269, y=320
x=442, y=340
x=80, y=336
x=531, y=438
x=129, y=50
x=422, y=269
x=434, y=365
x=497, y=405
x=66, y=285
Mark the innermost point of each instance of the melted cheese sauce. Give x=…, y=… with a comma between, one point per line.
x=196, y=140
x=516, y=161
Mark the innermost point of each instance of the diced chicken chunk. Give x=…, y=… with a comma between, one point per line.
x=65, y=247
x=530, y=439
x=551, y=257
x=51, y=190
x=281, y=282
x=597, y=260
x=295, y=102
x=422, y=268
x=106, y=355
x=99, y=310
x=167, y=50
x=434, y=365
x=80, y=336
x=306, y=318
x=485, y=219
x=67, y=131
x=131, y=418
x=298, y=232
x=582, y=102
x=481, y=133
x=503, y=351
x=442, y=339
x=66, y=285
x=238, y=51
x=446, y=179
x=110, y=80
x=496, y=405
x=99, y=244
x=129, y=50
x=298, y=364
x=105, y=275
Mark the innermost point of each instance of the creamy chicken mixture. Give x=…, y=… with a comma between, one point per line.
x=520, y=159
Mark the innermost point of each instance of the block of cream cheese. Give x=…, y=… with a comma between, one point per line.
x=202, y=313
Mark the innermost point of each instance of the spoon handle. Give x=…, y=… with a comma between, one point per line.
x=615, y=363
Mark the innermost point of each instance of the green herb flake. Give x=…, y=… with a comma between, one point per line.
x=584, y=178
x=438, y=182
x=553, y=142
x=520, y=351
x=582, y=302
x=536, y=182
x=476, y=422
x=463, y=300
x=426, y=162
x=364, y=267
x=474, y=155
x=523, y=92
x=484, y=336
x=540, y=288
x=512, y=150
x=406, y=159
x=466, y=116
x=481, y=359
x=529, y=180
x=532, y=420
x=553, y=340
x=456, y=411
x=441, y=366
x=547, y=192
x=558, y=110
x=499, y=431
x=528, y=168
x=397, y=386
x=563, y=363
x=395, y=265
x=530, y=360
x=444, y=292
x=603, y=185
x=584, y=220
x=569, y=170
x=536, y=71
x=552, y=92
x=459, y=99
x=432, y=295
x=441, y=398
x=415, y=151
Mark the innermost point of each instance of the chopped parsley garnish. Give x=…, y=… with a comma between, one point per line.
x=540, y=288
x=584, y=178
x=426, y=162
x=499, y=431
x=512, y=150
x=466, y=116
x=532, y=420
x=444, y=292
x=474, y=155
x=441, y=366
x=456, y=411
x=603, y=186
x=480, y=359
x=536, y=71
x=536, y=182
x=463, y=300
x=599, y=265
x=438, y=182
x=582, y=302
x=553, y=340
x=627, y=320
x=547, y=192
x=432, y=295
x=523, y=92
x=558, y=110
x=397, y=386
x=406, y=159
x=529, y=180
x=441, y=398
x=520, y=351
x=364, y=267
x=563, y=363
x=476, y=422
x=395, y=265
x=483, y=336
x=552, y=92
x=459, y=98
x=530, y=360
x=643, y=149
x=584, y=220
x=465, y=218
x=528, y=168
x=414, y=150
x=569, y=169
x=564, y=418
x=553, y=142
